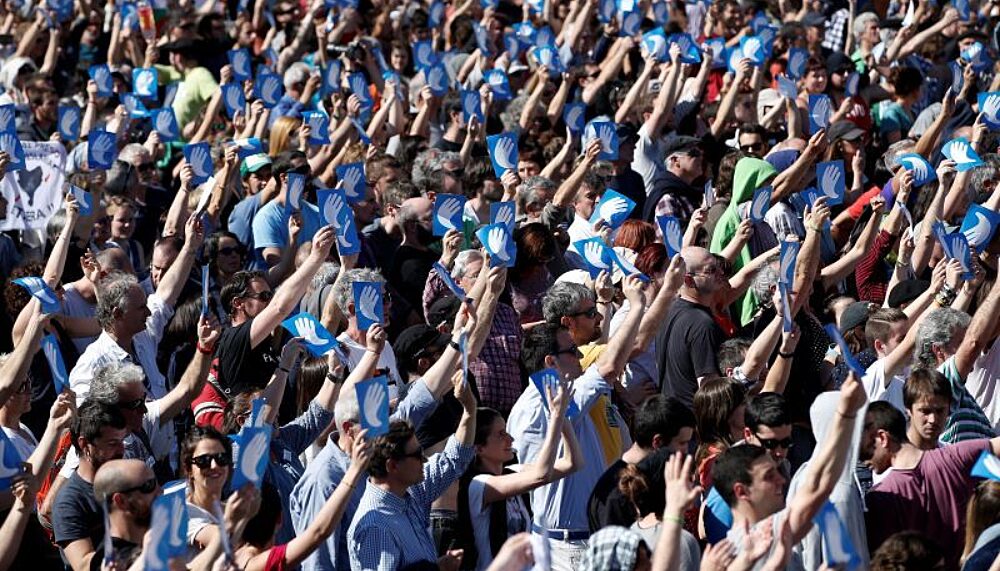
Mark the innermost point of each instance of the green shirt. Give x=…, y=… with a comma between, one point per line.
x=194, y=92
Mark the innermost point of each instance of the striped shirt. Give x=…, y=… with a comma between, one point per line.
x=967, y=420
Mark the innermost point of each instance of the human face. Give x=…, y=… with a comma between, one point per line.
x=586, y=199
x=132, y=404
x=928, y=416
x=211, y=476
x=871, y=34
x=682, y=441
x=410, y=467
x=472, y=270
x=257, y=298
x=451, y=177
x=585, y=322
x=123, y=224
x=137, y=495
x=20, y=402
x=110, y=445
x=366, y=208
x=399, y=59
x=568, y=357
x=753, y=144
x=706, y=276
x=257, y=180
x=499, y=447
x=527, y=169
x=688, y=165
x=866, y=449
x=897, y=332
x=766, y=493
x=133, y=319
x=48, y=110
x=777, y=440
x=163, y=258
x=815, y=81
x=229, y=259
x=389, y=176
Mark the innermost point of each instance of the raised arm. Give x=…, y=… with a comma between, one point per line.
x=174, y=279
x=287, y=297
x=979, y=333
x=15, y=368
x=57, y=259
x=656, y=313
x=612, y=361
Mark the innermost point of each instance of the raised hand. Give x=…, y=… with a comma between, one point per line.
x=375, y=338
x=209, y=331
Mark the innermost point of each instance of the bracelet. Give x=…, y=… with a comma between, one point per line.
x=602, y=302
x=455, y=346
x=786, y=355
x=334, y=378
x=204, y=350
x=674, y=519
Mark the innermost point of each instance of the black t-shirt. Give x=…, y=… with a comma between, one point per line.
x=409, y=271
x=240, y=367
x=125, y=553
x=607, y=506
x=443, y=422
x=76, y=514
x=686, y=348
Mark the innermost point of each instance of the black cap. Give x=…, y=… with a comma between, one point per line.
x=680, y=144
x=838, y=61
x=443, y=310
x=627, y=133
x=856, y=314
x=844, y=131
x=417, y=341
x=183, y=46
x=907, y=291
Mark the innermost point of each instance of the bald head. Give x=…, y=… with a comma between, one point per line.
x=119, y=475
x=696, y=257
x=415, y=209
x=704, y=275
x=115, y=259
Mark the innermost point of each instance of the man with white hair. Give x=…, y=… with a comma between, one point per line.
x=300, y=85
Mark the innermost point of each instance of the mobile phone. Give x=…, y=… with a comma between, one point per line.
x=6, y=38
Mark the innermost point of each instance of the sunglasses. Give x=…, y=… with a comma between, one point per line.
x=146, y=487
x=417, y=454
x=133, y=404
x=260, y=295
x=752, y=147
x=229, y=250
x=590, y=313
x=205, y=460
x=772, y=443
x=571, y=350
x=455, y=173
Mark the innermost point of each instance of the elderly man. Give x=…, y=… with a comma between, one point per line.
x=300, y=85
x=687, y=343
x=132, y=324
x=414, y=258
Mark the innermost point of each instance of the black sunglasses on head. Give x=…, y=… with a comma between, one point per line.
x=146, y=487
x=205, y=460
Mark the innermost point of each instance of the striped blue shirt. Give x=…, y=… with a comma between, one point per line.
x=390, y=532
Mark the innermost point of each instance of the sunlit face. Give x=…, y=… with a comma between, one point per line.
x=585, y=323
x=472, y=269
x=586, y=199
x=526, y=169
x=123, y=223
x=766, y=492
x=753, y=144
x=568, y=355
x=133, y=319
x=258, y=179
x=399, y=59
x=410, y=468
x=815, y=81
x=928, y=416
x=257, y=298
x=163, y=258
x=777, y=440
x=897, y=332
x=211, y=476
x=871, y=35
x=132, y=404
x=499, y=446
x=229, y=258
x=110, y=445
x=451, y=177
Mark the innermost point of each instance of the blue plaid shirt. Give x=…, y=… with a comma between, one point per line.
x=390, y=532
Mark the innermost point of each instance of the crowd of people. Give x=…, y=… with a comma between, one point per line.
x=498, y=285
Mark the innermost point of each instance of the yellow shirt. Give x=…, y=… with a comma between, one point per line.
x=603, y=414
x=194, y=92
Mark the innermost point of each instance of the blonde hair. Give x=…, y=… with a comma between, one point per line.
x=281, y=131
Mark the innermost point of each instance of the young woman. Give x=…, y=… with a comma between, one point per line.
x=982, y=528
x=206, y=460
x=490, y=503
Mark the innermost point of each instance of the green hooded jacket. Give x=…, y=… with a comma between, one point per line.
x=750, y=175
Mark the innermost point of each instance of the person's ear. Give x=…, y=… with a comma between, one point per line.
x=565, y=321
x=657, y=442
x=741, y=491
x=550, y=362
x=747, y=434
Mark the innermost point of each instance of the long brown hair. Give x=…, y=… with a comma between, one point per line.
x=714, y=403
x=982, y=512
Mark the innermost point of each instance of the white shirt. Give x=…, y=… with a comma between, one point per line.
x=105, y=350
x=386, y=360
x=22, y=439
x=74, y=305
x=518, y=518
x=984, y=382
x=876, y=389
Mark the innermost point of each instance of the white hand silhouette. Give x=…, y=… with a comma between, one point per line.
x=978, y=233
x=423, y=55
x=102, y=147
x=612, y=207
x=991, y=105
x=497, y=241
x=505, y=215
x=606, y=133
x=241, y=63
x=165, y=122
x=496, y=81
x=369, y=297
x=269, y=92
x=201, y=162
x=821, y=112
x=655, y=45
x=630, y=25
x=759, y=205
x=144, y=82
x=307, y=331
x=352, y=182
x=504, y=151
x=831, y=176
x=574, y=117
x=851, y=87
x=295, y=188
x=751, y=48
x=332, y=208
x=158, y=529
x=8, y=144
x=787, y=261
x=343, y=242
x=449, y=208
x=961, y=152
x=797, y=62
x=252, y=455
x=673, y=238
x=375, y=400
x=608, y=9
x=436, y=11
x=102, y=77
x=7, y=117
x=918, y=167
x=51, y=353
x=69, y=123
x=594, y=254
x=992, y=464
x=470, y=102
x=234, y=97
x=38, y=288
x=436, y=78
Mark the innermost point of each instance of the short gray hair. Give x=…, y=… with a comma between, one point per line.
x=562, y=299
x=462, y=261
x=112, y=294
x=346, y=409
x=343, y=291
x=533, y=187
x=133, y=153
x=326, y=275
x=296, y=73
x=938, y=328
x=980, y=174
x=110, y=378
x=861, y=22
x=764, y=283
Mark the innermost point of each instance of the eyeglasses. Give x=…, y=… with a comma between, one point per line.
x=455, y=173
x=417, y=454
x=133, y=404
x=205, y=460
x=145, y=167
x=590, y=313
x=772, y=443
x=146, y=487
x=693, y=153
x=709, y=271
x=265, y=295
x=752, y=147
x=229, y=250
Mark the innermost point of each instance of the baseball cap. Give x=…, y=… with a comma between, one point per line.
x=254, y=163
x=856, y=314
x=417, y=341
x=680, y=144
x=844, y=131
x=907, y=291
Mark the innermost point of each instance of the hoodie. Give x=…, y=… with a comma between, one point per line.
x=846, y=496
x=751, y=174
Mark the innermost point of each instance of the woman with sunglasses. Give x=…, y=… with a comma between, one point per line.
x=206, y=461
